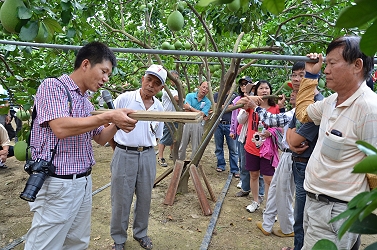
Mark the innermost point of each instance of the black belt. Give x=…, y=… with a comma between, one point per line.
x=225, y=122
x=287, y=150
x=70, y=176
x=300, y=159
x=139, y=149
x=324, y=198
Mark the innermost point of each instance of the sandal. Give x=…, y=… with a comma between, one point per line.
x=145, y=242
x=117, y=246
x=219, y=170
x=236, y=175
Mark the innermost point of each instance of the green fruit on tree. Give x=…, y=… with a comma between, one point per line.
x=159, y=95
x=183, y=3
x=165, y=45
x=180, y=7
x=187, y=45
x=217, y=66
x=211, y=68
x=203, y=42
x=143, y=7
x=286, y=85
x=9, y=14
x=321, y=83
x=244, y=43
x=175, y=21
x=150, y=5
x=20, y=150
x=234, y=6
x=23, y=115
x=178, y=45
x=171, y=47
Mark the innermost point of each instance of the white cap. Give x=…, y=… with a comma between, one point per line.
x=159, y=71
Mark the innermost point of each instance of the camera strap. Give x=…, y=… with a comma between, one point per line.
x=34, y=115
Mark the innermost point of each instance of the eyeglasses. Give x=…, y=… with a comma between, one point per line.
x=295, y=75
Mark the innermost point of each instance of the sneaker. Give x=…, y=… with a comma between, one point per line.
x=260, y=199
x=252, y=207
x=162, y=162
x=281, y=234
x=239, y=185
x=260, y=226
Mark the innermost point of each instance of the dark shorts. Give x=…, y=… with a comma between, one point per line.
x=167, y=139
x=256, y=163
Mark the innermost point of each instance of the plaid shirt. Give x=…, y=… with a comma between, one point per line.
x=74, y=154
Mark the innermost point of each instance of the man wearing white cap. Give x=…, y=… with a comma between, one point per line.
x=133, y=167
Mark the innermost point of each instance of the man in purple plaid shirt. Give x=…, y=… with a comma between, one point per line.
x=62, y=208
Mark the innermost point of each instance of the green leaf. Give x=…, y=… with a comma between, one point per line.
x=66, y=16
x=368, y=43
x=372, y=246
x=357, y=15
x=324, y=244
x=367, y=148
x=71, y=32
x=24, y=13
x=367, y=165
x=348, y=223
x=355, y=200
x=367, y=198
x=342, y=215
x=274, y=6
x=29, y=31
x=367, y=226
x=53, y=25
x=370, y=208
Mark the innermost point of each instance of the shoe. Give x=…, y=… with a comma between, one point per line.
x=236, y=175
x=219, y=170
x=279, y=233
x=260, y=199
x=3, y=166
x=162, y=162
x=242, y=193
x=145, y=242
x=252, y=207
x=260, y=226
x=239, y=185
x=170, y=157
x=117, y=246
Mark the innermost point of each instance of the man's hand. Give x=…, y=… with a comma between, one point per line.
x=281, y=102
x=314, y=67
x=250, y=102
x=122, y=120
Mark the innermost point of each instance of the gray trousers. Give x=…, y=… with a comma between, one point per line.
x=193, y=132
x=280, y=197
x=131, y=172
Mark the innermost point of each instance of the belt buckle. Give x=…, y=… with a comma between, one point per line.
x=140, y=149
x=316, y=197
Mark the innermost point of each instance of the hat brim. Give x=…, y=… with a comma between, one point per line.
x=157, y=75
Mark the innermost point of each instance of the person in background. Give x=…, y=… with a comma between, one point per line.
x=167, y=138
x=6, y=150
x=195, y=102
x=223, y=130
x=133, y=166
x=238, y=132
x=344, y=117
x=62, y=208
x=256, y=163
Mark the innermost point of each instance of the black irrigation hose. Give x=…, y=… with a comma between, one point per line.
x=23, y=237
x=215, y=215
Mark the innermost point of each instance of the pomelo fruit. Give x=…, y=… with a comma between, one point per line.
x=9, y=14
x=20, y=150
x=175, y=21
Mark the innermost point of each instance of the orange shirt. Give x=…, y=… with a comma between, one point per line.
x=253, y=119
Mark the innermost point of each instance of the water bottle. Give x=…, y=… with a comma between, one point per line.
x=260, y=127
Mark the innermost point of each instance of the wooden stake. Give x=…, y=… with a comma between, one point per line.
x=200, y=191
x=173, y=186
x=211, y=193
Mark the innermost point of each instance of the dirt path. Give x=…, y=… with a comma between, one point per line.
x=181, y=226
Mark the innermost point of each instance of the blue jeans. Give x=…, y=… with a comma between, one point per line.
x=244, y=174
x=298, y=169
x=221, y=131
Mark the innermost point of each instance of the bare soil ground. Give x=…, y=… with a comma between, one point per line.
x=181, y=226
